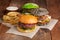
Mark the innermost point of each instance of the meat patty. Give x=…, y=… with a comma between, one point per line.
x=26, y=25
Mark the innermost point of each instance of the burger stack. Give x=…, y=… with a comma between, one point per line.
x=30, y=16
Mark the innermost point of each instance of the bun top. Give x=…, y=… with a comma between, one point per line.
x=28, y=19
x=30, y=6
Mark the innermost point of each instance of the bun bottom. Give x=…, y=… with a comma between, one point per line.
x=21, y=30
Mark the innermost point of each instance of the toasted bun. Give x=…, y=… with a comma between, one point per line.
x=29, y=19
x=21, y=30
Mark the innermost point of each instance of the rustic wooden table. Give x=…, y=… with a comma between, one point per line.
x=54, y=8
x=43, y=34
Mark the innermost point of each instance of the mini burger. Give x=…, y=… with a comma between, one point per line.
x=27, y=23
x=45, y=19
x=42, y=14
x=27, y=8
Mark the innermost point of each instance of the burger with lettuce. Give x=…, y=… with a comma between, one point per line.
x=27, y=23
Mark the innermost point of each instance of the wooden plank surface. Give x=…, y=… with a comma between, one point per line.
x=54, y=9
x=42, y=34
x=3, y=5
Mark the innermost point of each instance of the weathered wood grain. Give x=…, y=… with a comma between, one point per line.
x=3, y=5
x=42, y=34
x=54, y=9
